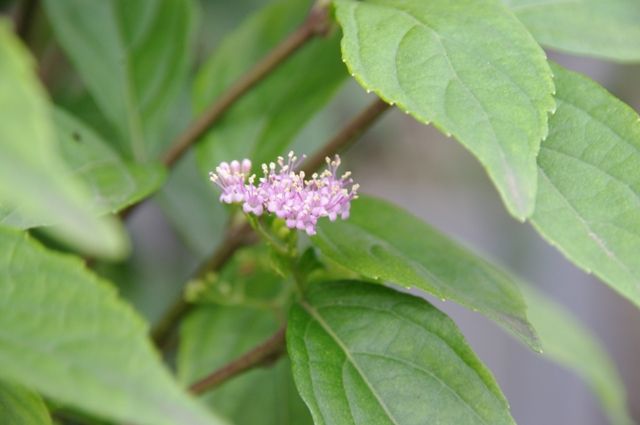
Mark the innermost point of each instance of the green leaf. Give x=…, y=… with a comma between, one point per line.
x=264, y=122
x=606, y=29
x=589, y=189
x=65, y=333
x=19, y=406
x=468, y=66
x=211, y=337
x=133, y=57
x=568, y=343
x=114, y=183
x=33, y=178
x=364, y=354
x=386, y=244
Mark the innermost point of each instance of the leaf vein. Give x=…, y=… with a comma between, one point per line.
x=313, y=313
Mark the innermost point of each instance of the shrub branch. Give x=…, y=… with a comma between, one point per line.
x=264, y=354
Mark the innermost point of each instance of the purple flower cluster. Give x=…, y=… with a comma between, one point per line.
x=283, y=191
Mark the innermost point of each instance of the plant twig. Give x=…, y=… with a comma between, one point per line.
x=316, y=24
x=244, y=236
x=265, y=353
x=23, y=18
x=347, y=135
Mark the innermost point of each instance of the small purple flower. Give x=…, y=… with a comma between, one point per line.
x=230, y=178
x=253, y=198
x=336, y=195
x=284, y=192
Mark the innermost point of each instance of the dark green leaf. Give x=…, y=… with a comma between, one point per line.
x=19, y=406
x=33, y=178
x=470, y=67
x=264, y=122
x=570, y=344
x=386, y=244
x=65, y=333
x=365, y=354
x=133, y=57
x=589, y=190
x=607, y=29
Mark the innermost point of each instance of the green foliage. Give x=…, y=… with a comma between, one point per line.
x=606, y=29
x=264, y=122
x=115, y=183
x=84, y=346
x=364, y=354
x=386, y=244
x=133, y=57
x=19, y=406
x=454, y=65
x=568, y=343
x=33, y=178
x=589, y=189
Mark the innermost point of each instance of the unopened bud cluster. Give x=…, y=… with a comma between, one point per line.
x=285, y=192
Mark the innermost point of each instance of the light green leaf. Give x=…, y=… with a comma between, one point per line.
x=470, y=67
x=19, y=406
x=213, y=336
x=33, y=178
x=568, y=343
x=133, y=57
x=65, y=333
x=114, y=183
x=589, y=189
x=386, y=244
x=365, y=354
x=606, y=29
x=264, y=122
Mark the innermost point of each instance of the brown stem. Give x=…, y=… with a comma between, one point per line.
x=347, y=135
x=23, y=18
x=265, y=353
x=315, y=24
x=244, y=235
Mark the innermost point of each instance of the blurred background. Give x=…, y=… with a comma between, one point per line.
x=438, y=180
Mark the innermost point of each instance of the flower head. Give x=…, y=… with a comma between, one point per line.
x=284, y=191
